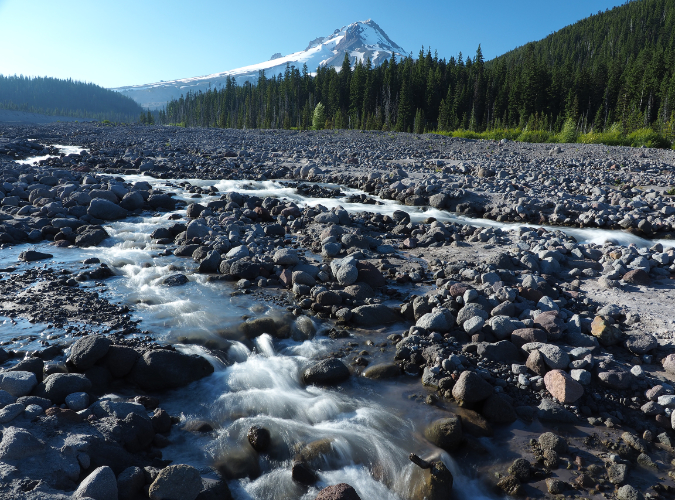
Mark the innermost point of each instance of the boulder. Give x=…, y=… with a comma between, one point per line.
x=554, y=356
x=99, y=485
x=162, y=369
x=86, y=351
x=503, y=351
x=498, y=409
x=606, y=333
x=552, y=323
x=637, y=277
x=33, y=255
x=58, y=385
x=286, y=257
x=439, y=320
x=18, y=383
x=326, y=372
x=524, y=336
x=18, y=443
x=91, y=237
x=345, y=270
x=374, y=315
x=446, y=433
x=382, y=371
x=563, y=387
x=176, y=482
x=471, y=388
x=100, y=208
x=341, y=491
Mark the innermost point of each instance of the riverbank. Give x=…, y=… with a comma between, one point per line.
x=296, y=262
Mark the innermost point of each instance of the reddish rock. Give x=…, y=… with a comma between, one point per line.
x=637, y=277
x=563, y=387
x=63, y=414
x=410, y=243
x=536, y=363
x=552, y=323
x=458, y=289
x=524, y=336
x=530, y=294
x=286, y=277
x=263, y=214
x=340, y=491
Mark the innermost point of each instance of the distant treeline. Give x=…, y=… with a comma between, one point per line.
x=51, y=96
x=614, y=69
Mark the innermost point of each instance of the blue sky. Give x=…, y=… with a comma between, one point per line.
x=125, y=42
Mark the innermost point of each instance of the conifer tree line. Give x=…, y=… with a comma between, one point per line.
x=612, y=70
x=53, y=96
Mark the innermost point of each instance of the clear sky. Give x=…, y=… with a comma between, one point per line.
x=125, y=42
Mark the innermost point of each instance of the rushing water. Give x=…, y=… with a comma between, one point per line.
x=364, y=431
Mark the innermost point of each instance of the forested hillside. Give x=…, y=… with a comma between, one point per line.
x=612, y=71
x=52, y=96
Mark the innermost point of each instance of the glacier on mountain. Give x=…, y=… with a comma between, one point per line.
x=360, y=40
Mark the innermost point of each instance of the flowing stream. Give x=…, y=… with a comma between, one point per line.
x=362, y=434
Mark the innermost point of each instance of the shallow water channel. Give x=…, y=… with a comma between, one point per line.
x=366, y=429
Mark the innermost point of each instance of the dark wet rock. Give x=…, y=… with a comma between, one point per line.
x=382, y=371
x=213, y=489
x=161, y=421
x=521, y=469
x=641, y=343
x=161, y=202
x=33, y=255
x=86, y=351
x=326, y=372
x=259, y=438
x=90, y=237
x=176, y=482
x=198, y=426
x=131, y=201
x=175, y=280
x=341, y=491
x=303, y=474
x=498, y=409
x=510, y=485
x=551, y=441
x=57, y=386
x=102, y=209
x=445, y=433
x=374, y=315
x=436, y=483
x=163, y=369
x=556, y=486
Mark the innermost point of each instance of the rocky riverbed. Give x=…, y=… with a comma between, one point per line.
x=270, y=314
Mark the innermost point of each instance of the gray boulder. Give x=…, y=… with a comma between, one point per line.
x=439, y=320
x=345, y=270
x=86, y=351
x=162, y=369
x=446, y=433
x=374, y=315
x=105, y=210
x=326, y=372
x=99, y=485
x=19, y=443
x=471, y=388
x=176, y=482
x=58, y=385
x=286, y=257
x=17, y=383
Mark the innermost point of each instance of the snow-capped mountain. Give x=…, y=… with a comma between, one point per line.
x=361, y=40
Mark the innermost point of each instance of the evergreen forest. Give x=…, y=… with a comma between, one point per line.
x=604, y=79
x=52, y=96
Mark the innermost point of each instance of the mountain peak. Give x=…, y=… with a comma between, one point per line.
x=361, y=40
